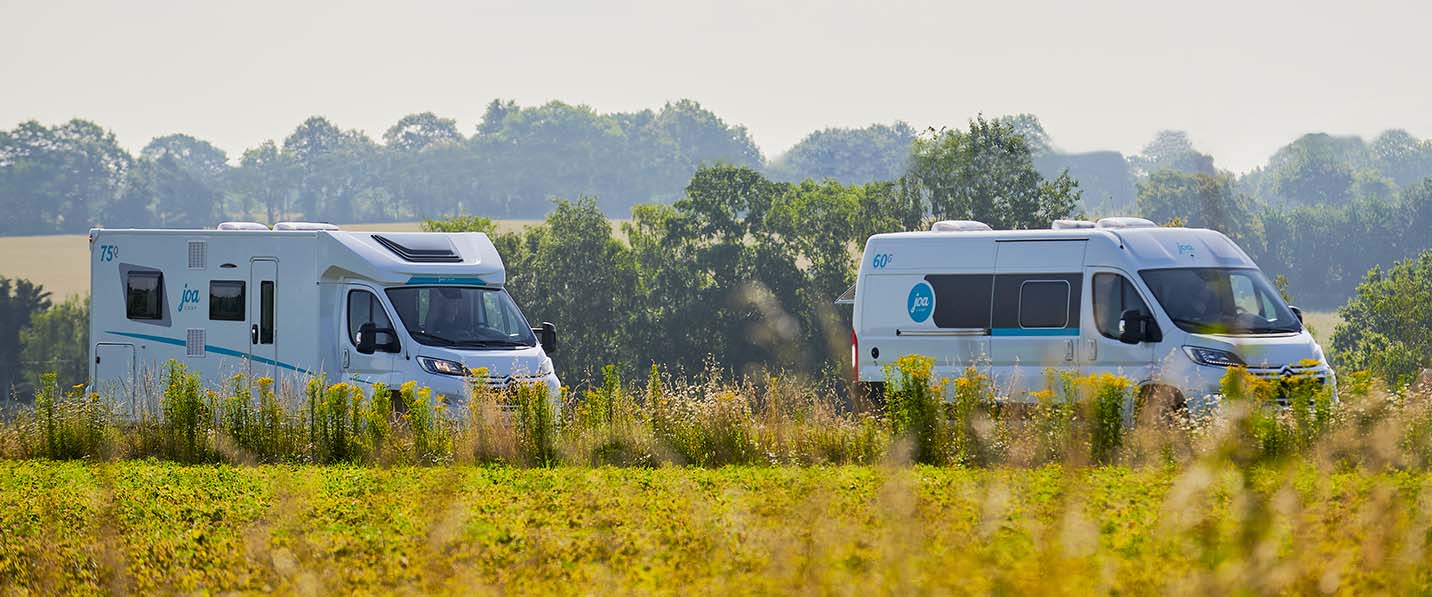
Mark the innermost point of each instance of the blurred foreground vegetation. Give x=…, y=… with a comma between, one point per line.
x=1209, y=527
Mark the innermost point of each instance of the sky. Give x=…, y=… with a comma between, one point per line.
x=1242, y=77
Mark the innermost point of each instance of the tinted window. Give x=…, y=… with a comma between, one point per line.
x=226, y=300
x=961, y=300
x=1044, y=304
x=461, y=316
x=1114, y=294
x=1221, y=301
x=363, y=307
x=144, y=295
x=1036, y=301
x=266, y=312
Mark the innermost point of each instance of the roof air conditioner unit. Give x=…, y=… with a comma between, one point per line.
x=1071, y=225
x=1123, y=222
x=242, y=226
x=959, y=226
x=304, y=226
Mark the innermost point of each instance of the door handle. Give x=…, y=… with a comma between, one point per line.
x=1068, y=350
x=345, y=358
x=254, y=334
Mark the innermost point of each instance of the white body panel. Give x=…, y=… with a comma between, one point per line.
x=902, y=275
x=305, y=329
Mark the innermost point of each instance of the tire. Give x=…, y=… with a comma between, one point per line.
x=1158, y=403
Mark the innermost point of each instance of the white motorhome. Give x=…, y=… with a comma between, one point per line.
x=1169, y=308
x=304, y=300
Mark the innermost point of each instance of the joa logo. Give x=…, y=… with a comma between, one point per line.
x=921, y=302
x=187, y=297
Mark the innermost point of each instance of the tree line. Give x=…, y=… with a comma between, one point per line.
x=741, y=269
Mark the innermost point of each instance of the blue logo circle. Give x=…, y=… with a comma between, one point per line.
x=921, y=302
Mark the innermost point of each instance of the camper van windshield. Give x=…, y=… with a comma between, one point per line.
x=461, y=317
x=1221, y=301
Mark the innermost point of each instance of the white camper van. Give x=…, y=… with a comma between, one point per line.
x=1169, y=308
x=305, y=300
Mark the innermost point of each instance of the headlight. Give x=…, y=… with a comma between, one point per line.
x=442, y=367
x=1213, y=357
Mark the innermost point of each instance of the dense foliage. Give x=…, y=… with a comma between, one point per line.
x=1387, y=326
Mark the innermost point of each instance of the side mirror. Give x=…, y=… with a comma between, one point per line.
x=1131, y=327
x=367, y=338
x=1297, y=312
x=547, y=335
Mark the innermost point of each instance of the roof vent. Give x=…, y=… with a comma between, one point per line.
x=420, y=247
x=304, y=226
x=1126, y=223
x=198, y=254
x=242, y=226
x=1072, y=225
x=959, y=226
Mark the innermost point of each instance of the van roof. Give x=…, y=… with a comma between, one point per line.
x=1149, y=248
x=457, y=258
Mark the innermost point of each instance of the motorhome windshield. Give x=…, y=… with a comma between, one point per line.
x=1221, y=301
x=461, y=317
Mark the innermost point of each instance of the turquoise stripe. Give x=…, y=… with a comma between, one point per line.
x=219, y=350
x=1034, y=332
x=445, y=280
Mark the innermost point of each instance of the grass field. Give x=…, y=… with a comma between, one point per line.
x=145, y=527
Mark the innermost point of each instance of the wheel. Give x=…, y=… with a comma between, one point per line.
x=1159, y=403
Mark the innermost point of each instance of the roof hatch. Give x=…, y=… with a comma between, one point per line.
x=420, y=248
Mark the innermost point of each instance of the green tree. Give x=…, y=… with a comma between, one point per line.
x=1199, y=200
x=1401, y=157
x=987, y=174
x=59, y=179
x=1387, y=325
x=1171, y=150
x=849, y=156
x=573, y=272
x=264, y=178
x=416, y=132
x=20, y=300
x=57, y=341
x=331, y=168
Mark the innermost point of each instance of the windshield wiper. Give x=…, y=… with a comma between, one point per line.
x=421, y=336
x=489, y=343
x=1199, y=324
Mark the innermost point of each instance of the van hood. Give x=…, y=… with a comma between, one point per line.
x=500, y=364
x=1265, y=352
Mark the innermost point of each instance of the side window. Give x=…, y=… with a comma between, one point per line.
x=962, y=300
x=363, y=307
x=266, y=312
x=1114, y=294
x=1036, y=301
x=1044, y=304
x=226, y=300
x=1245, y=294
x=144, y=295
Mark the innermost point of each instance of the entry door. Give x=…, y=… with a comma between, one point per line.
x=1111, y=292
x=1034, y=321
x=263, y=332
x=361, y=306
x=114, y=375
